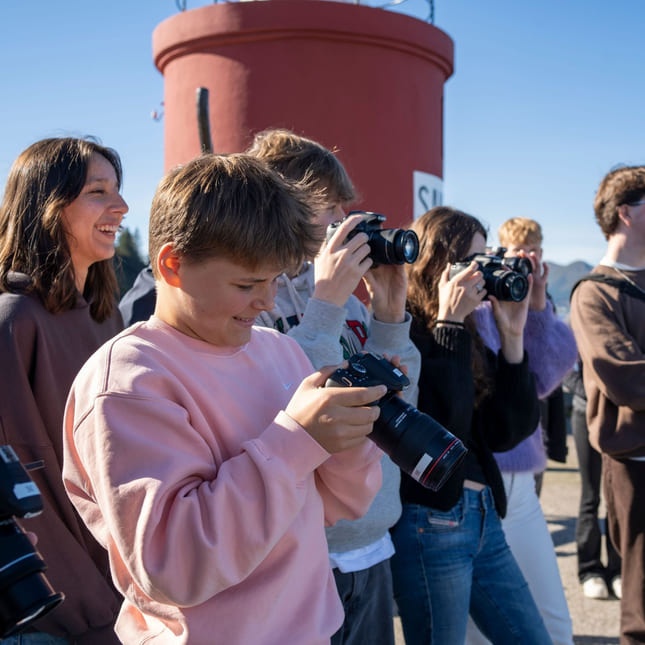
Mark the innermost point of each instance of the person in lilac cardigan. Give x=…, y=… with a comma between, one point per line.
x=551, y=350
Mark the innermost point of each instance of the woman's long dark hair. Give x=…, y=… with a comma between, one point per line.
x=445, y=235
x=44, y=179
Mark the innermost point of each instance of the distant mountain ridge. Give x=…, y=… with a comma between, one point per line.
x=561, y=280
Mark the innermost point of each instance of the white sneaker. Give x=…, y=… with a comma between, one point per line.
x=617, y=587
x=596, y=588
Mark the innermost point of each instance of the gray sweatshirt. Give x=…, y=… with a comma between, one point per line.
x=329, y=334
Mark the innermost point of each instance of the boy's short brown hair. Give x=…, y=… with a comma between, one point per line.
x=231, y=206
x=623, y=185
x=304, y=160
x=520, y=230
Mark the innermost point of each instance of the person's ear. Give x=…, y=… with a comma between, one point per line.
x=623, y=215
x=168, y=265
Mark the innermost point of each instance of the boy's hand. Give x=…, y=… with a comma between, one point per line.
x=341, y=264
x=338, y=418
x=387, y=286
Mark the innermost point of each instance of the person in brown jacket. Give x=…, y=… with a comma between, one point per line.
x=58, y=222
x=608, y=319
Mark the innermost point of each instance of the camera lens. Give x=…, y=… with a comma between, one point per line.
x=394, y=246
x=507, y=285
x=25, y=593
x=416, y=443
x=517, y=287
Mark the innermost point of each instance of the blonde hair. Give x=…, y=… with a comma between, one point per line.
x=304, y=160
x=520, y=230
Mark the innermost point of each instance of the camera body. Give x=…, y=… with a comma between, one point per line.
x=414, y=441
x=25, y=593
x=513, y=262
x=500, y=280
x=387, y=245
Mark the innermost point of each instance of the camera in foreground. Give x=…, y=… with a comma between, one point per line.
x=414, y=441
x=500, y=279
x=387, y=245
x=25, y=593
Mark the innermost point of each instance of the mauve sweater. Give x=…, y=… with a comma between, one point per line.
x=41, y=354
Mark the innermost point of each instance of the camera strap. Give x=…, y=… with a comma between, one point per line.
x=625, y=286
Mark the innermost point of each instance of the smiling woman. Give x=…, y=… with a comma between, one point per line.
x=58, y=220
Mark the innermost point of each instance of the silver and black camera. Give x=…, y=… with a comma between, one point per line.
x=414, y=441
x=500, y=279
x=25, y=593
x=387, y=245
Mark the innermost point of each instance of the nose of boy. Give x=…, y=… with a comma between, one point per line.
x=265, y=300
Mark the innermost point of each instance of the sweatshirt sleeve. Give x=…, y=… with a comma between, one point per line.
x=169, y=516
x=613, y=359
x=319, y=333
x=344, y=475
x=394, y=340
x=551, y=348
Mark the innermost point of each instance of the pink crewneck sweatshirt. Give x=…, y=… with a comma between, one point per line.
x=210, y=500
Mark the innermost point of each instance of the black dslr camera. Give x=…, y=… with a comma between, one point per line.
x=25, y=593
x=500, y=279
x=414, y=441
x=513, y=262
x=387, y=245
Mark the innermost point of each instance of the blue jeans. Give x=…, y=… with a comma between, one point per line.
x=34, y=638
x=450, y=563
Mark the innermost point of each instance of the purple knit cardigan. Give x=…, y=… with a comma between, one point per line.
x=552, y=352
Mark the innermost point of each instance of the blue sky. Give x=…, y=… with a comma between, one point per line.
x=546, y=97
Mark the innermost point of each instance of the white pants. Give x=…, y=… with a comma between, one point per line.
x=528, y=536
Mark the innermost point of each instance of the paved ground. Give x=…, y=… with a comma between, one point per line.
x=595, y=622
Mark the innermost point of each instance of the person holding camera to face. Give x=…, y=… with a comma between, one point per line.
x=551, y=350
x=451, y=556
x=315, y=305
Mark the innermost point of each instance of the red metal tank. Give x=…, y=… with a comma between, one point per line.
x=365, y=82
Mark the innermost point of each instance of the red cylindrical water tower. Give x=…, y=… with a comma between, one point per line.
x=363, y=81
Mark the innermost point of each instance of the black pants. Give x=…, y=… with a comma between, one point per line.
x=588, y=533
x=624, y=483
x=368, y=602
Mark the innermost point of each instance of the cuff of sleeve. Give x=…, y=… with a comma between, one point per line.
x=394, y=336
x=453, y=341
x=288, y=441
x=512, y=376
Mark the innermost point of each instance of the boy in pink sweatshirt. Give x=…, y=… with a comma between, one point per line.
x=202, y=452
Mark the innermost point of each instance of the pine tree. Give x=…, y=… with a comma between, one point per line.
x=127, y=261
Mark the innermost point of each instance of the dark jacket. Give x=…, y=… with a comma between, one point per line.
x=447, y=393
x=138, y=303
